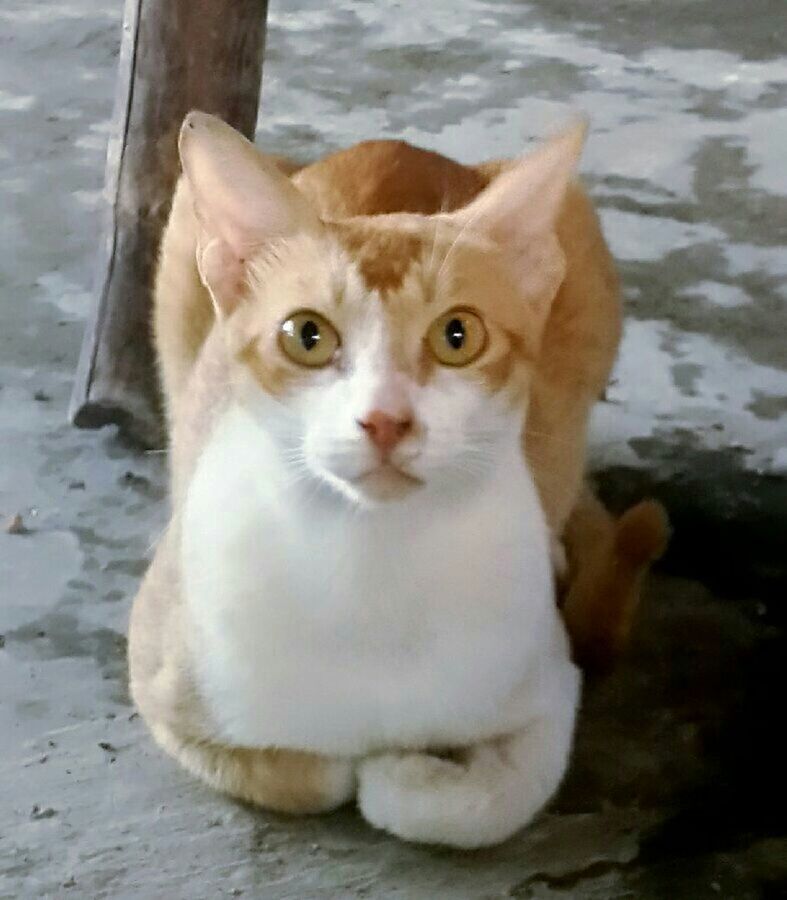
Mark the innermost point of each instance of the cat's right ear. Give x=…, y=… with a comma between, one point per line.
x=242, y=202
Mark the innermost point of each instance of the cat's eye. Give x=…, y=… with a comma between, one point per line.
x=457, y=338
x=309, y=339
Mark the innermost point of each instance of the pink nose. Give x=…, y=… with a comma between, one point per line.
x=385, y=431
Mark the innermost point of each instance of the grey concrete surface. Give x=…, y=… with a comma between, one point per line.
x=673, y=788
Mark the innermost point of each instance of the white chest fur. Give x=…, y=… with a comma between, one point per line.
x=319, y=626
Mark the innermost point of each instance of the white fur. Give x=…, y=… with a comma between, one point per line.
x=481, y=800
x=327, y=622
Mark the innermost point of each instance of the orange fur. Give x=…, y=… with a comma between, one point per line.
x=286, y=781
x=378, y=177
x=383, y=256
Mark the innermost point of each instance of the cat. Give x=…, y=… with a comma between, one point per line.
x=580, y=340
x=357, y=577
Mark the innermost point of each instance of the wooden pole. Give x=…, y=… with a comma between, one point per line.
x=175, y=55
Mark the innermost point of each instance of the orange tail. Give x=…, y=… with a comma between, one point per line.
x=608, y=560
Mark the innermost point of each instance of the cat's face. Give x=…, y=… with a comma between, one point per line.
x=388, y=354
x=382, y=364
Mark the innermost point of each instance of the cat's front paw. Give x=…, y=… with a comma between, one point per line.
x=426, y=799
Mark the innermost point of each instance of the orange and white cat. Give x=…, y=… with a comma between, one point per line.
x=355, y=593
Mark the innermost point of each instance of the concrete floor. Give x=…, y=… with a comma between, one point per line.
x=673, y=789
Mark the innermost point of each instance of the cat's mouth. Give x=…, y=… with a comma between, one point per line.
x=386, y=482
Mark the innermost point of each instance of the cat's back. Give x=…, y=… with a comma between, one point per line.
x=381, y=177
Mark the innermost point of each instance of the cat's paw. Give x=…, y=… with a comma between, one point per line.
x=427, y=799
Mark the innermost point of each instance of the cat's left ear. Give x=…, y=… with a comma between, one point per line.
x=242, y=202
x=519, y=212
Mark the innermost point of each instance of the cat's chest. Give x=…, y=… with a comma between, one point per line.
x=338, y=631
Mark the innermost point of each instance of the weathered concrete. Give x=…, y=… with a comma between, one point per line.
x=672, y=791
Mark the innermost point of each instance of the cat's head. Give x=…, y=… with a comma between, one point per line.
x=385, y=354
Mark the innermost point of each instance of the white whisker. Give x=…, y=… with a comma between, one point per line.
x=436, y=235
x=471, y=221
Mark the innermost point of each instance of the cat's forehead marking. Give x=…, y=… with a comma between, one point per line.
x=383, y=256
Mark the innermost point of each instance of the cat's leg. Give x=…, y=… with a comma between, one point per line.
x=287, y=781
x=494, y=789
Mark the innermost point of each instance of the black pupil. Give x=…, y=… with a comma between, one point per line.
x=455, y=334
x=310, y=335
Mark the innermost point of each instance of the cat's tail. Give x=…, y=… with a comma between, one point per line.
x=608, y=559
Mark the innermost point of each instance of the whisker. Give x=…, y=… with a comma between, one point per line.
x=155, y=542
x=456, y=240
x=436, y=235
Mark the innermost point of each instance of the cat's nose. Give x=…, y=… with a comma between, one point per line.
x=384, y=430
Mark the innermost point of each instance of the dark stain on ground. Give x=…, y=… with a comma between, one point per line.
x=738, y=802
x=710, y=677
x=57, y=635
x=728, y=521
x=768, y=406
x=142, y=485
x=685, y=726
x=666, y=289
x=753, y=30
x=136, y=568
x=685, y=376
x=568, y=881
x=452, y=58
x=712, y=104
x=726, y=199
x=89, y=537
x=722, y=172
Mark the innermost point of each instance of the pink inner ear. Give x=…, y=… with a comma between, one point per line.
x=241, y=201
x=540, y=267
x=526, y=199
x=251, y=212
x=223, y=272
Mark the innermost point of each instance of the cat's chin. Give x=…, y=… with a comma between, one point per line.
x=385, y=484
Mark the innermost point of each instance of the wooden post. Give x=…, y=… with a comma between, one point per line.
x=175, y=55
